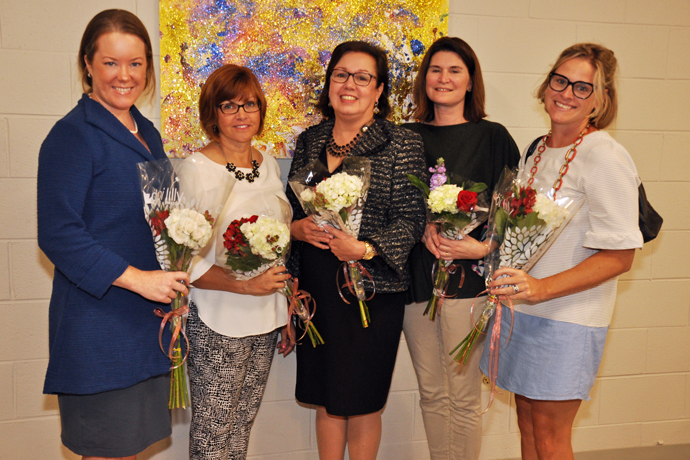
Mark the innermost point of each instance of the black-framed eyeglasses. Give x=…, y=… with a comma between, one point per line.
x=360, y=78
x=581, y=89
x=230, y=108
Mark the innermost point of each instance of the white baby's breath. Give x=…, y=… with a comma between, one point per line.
x=189, y=228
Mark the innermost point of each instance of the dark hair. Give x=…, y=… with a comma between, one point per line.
x=474, y=99
x=105, y=22
x=381, y=75
x=605, y=68
x=227, y=83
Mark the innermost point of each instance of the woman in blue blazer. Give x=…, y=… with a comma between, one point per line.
x=105, y=364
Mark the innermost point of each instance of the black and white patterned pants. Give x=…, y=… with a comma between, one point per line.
x=227, y=380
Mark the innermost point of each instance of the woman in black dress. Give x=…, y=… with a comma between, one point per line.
x=348, y=377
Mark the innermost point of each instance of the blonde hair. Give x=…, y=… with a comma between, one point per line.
x=605, y=72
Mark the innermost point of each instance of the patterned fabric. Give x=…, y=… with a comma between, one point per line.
x=394, y=217
x=227, y=378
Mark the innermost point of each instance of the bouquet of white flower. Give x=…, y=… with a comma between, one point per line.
x=338, y=200
x=253, y=244
x=525, y=220
x=181, y=210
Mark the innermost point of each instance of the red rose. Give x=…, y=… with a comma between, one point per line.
x=466, y=200
x=158, y=221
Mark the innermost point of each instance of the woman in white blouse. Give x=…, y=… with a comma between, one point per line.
x=563, y=307
x=233, y=325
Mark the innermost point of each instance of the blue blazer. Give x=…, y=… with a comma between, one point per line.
x=91, y=226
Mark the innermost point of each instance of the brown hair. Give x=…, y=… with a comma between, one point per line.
x=474, y=100
x=381, y=75
x=105, y=22
x=227, y=83
x=605, y=71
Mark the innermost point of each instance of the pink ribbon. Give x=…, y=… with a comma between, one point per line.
x=349, y=283
x=452, y=269
x=495, y=343
x=308, y=303
x=176, y=313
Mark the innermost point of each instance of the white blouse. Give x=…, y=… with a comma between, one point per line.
x=604, y=176
x=228, y=313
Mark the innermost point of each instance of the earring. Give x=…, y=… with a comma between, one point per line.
x=376, y=107
x=88, y=74
x=215, y=129
x=329, y=103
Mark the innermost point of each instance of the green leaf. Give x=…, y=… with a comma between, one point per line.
x=477, y=187
x=530, y=220
x=500, y=221
x=419, y=184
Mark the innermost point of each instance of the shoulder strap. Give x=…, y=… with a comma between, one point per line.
x=532, y=147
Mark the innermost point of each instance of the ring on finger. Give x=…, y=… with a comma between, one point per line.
x=516, y=289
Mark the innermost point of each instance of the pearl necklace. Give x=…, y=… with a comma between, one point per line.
x=136, y=127
x=239, y=175
x=569, y=156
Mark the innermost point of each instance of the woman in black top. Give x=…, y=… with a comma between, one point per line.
x=449, y=99
x=348, y=377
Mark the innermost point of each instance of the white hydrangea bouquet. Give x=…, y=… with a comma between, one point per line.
x=525, y=221
x=181, y=208
x=253, y=244
x=456, y=209
x=339, y=200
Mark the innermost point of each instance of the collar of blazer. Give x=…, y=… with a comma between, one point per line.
x=99, y=116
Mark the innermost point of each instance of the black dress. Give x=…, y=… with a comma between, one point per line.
x=351, y=373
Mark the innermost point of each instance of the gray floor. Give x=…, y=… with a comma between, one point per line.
x=675, y=452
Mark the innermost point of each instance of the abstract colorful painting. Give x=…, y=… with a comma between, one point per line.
x=287, y=44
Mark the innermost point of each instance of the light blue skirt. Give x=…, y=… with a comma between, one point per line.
x=546, y=359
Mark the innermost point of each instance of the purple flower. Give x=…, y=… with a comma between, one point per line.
x=439, y=174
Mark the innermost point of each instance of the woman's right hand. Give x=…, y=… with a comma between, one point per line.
x=156, y=285
x=266, y=283
x=306, y=230
x=431, y=240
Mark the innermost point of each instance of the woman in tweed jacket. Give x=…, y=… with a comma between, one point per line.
x=348, y=377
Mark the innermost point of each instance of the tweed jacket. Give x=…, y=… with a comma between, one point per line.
x=91, y=226
x=393, y=218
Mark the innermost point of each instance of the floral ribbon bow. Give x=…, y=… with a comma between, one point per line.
x=440, y=293
x=178, y=314
x=303, y=305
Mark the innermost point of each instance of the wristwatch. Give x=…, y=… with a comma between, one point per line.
x=369, y=251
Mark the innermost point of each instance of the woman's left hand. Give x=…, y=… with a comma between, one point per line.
x=345, y=247
x=466, y=248
x=528, y=288
x=284, y=345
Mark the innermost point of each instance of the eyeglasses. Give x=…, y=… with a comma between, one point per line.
x=230, y=108
x=581, y=89
x=360, y=78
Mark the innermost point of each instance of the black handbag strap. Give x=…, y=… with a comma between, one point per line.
x=532, y=147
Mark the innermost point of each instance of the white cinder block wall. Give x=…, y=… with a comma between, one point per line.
x=642, y=396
